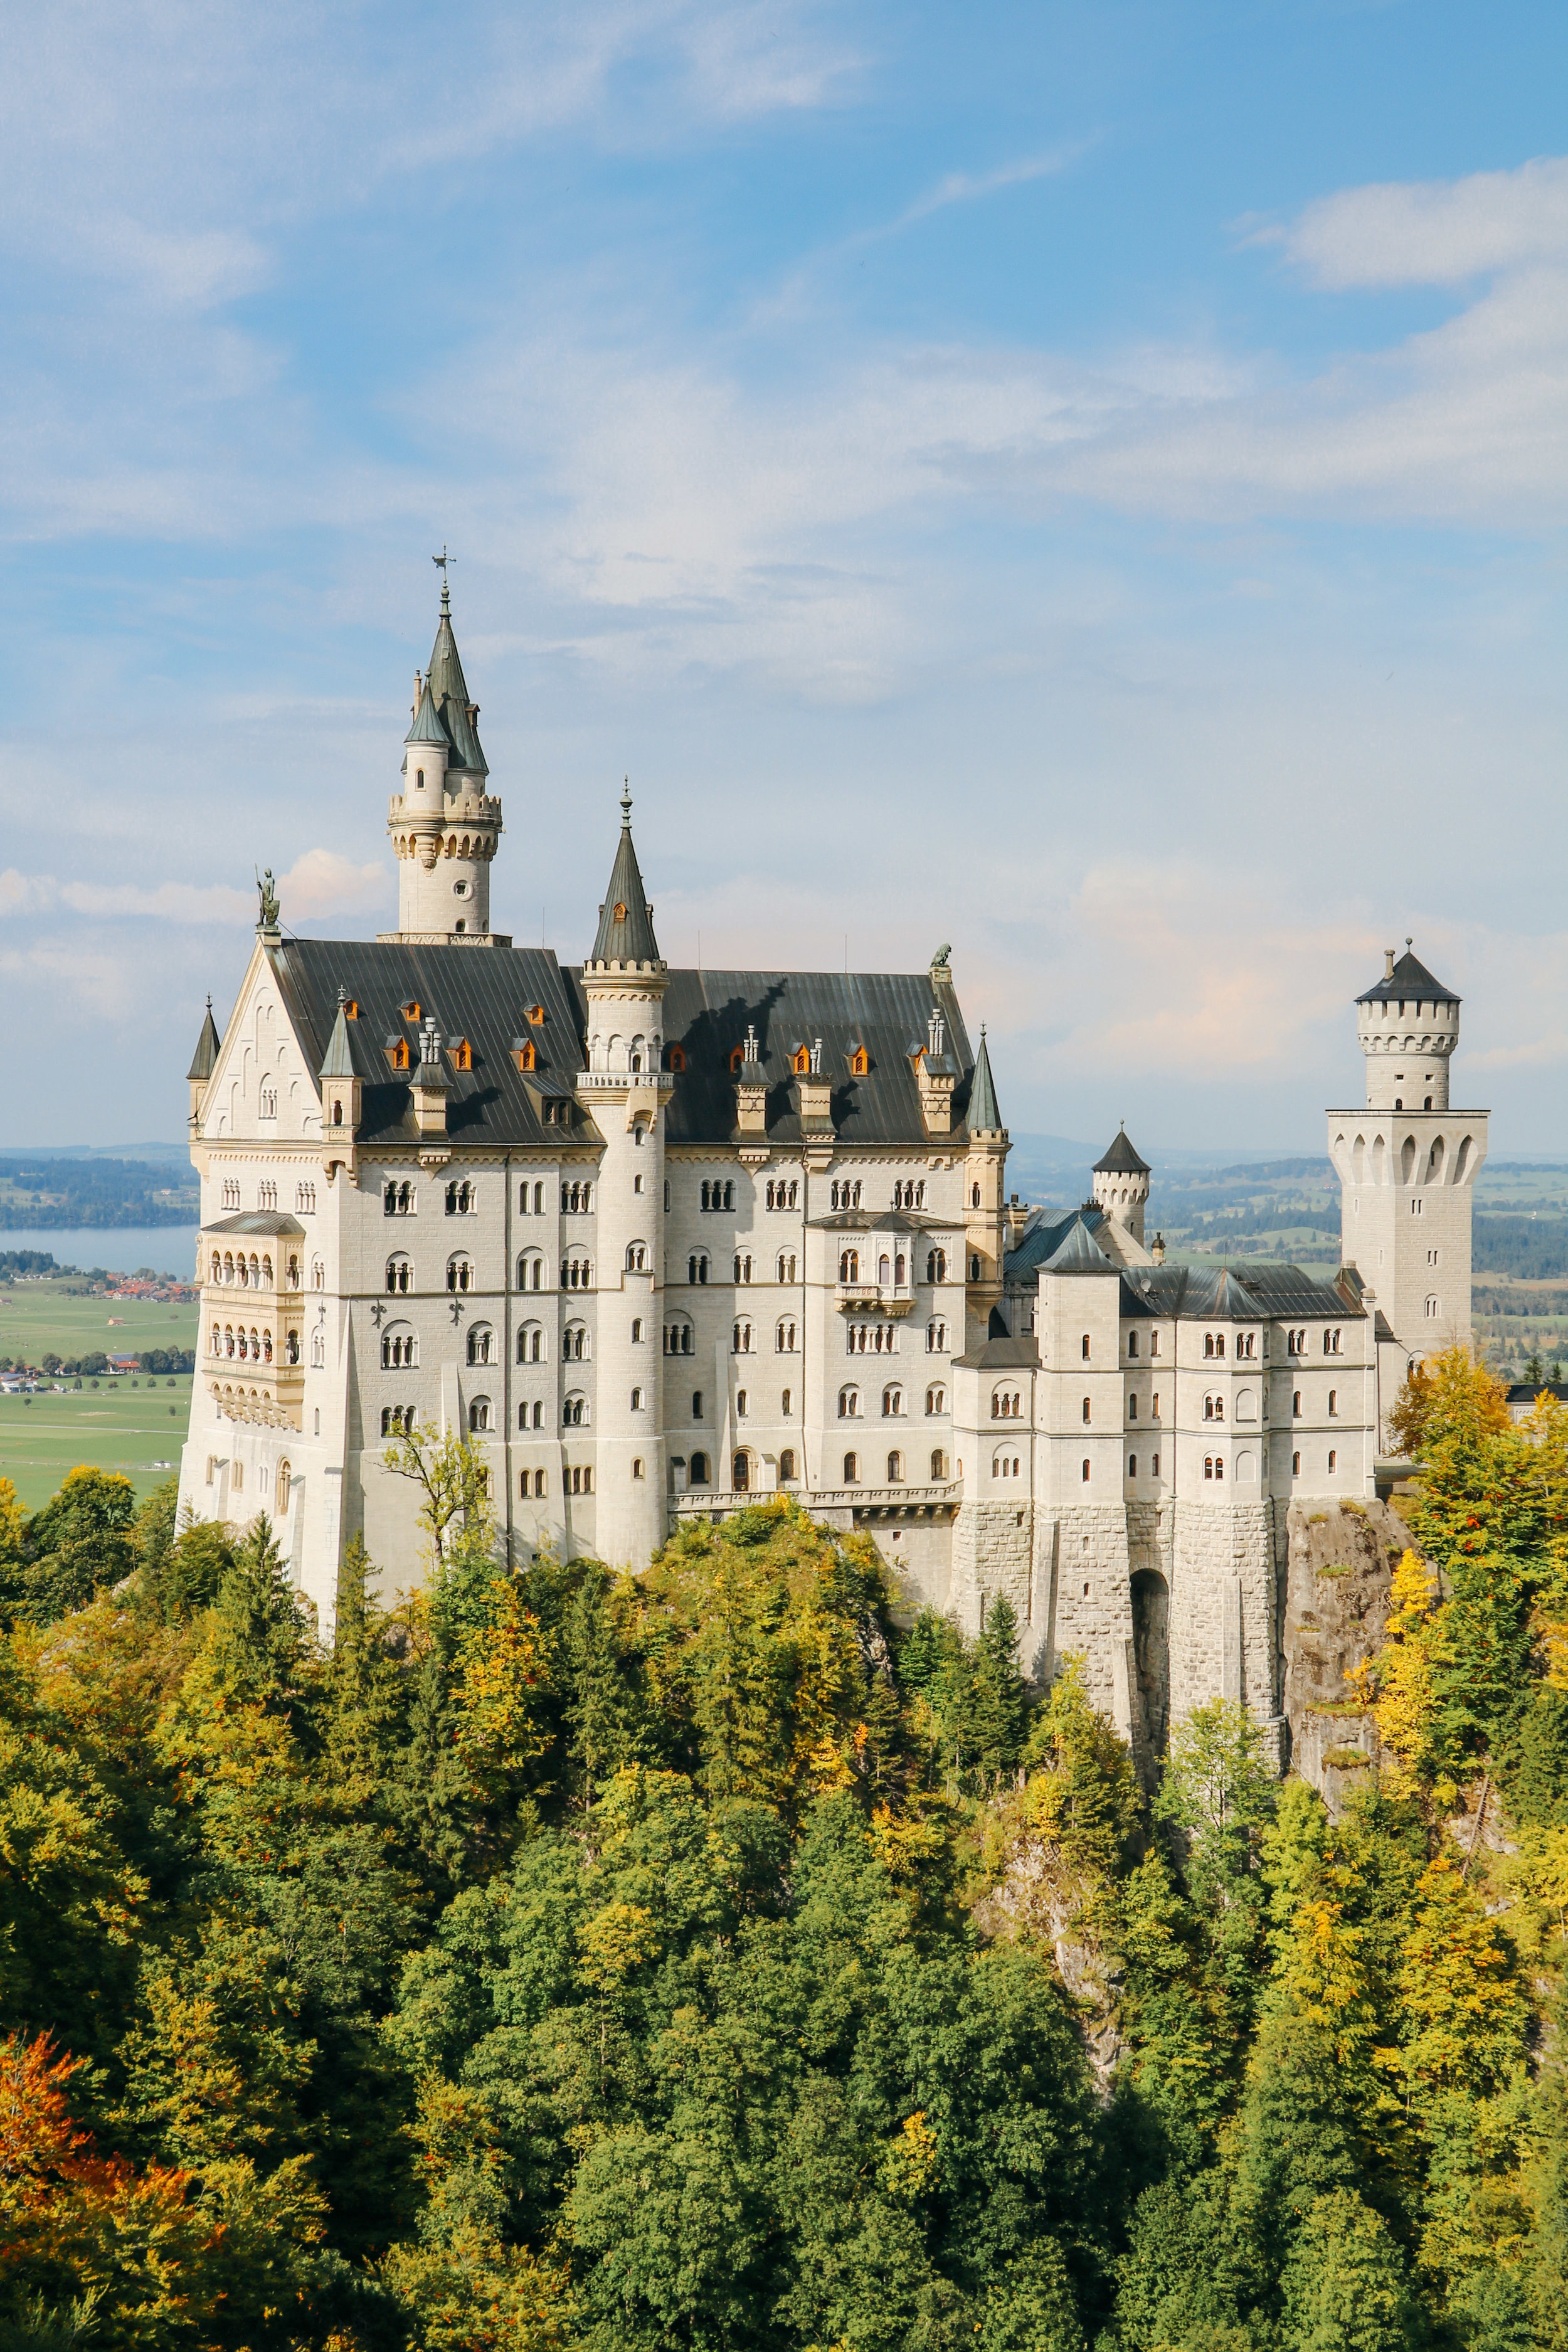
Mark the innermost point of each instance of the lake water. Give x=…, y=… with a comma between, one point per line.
x=118, y=1249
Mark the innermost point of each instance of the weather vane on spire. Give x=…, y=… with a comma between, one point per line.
x=441, y=561
x=625, y=800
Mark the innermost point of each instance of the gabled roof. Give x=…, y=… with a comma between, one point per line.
x=1042, y=1241
x=204, y=1061
x=483, y=994
x=1252, y=1292
x=626, y=919
x=338, y=1062
x=448, y=691
x=1120, y=1158
x=1409, y=981
x=1002, y=1355
x=256, y=1222
x=983, y=1116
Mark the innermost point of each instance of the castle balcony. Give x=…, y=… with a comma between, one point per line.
x=272, y=1394
x=896, y=1298
x=842, y=1506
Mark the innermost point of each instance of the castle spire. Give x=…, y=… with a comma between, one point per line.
x=984, y=1117
x=625, y=919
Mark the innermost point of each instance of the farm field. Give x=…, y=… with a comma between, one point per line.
x=115, y=1426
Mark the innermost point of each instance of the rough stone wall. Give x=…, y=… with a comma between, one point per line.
x=1225, y=1607
x=1340, y=1571
x=1084, y=1561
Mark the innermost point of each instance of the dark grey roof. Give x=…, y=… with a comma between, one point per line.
x=204, y=1061
x=448, y=691
x=482, y=994
x=885, y=1221
x=1409, y=981
x=1256, y=1291
x=426, y=727
x=1002, y=1355
x=1120, y=1158
x=339, y=1061
x=983, y=1117
x=1078, y=1251
x=257, y=1222
x=1041, y=1242
x=1526, y=1392
x=626, y=919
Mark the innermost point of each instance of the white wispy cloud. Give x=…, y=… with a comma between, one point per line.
x=1433, y=232
x=320, y=882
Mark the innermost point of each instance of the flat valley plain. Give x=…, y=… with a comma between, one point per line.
x=138, y=1430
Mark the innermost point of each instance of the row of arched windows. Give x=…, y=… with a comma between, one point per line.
x=872, y=1338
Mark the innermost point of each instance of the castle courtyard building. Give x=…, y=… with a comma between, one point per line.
x=662, y=1241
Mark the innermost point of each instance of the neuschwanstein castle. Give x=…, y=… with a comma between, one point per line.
x=665, y=1241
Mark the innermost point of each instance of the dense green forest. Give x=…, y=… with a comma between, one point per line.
x=702, y=1961
x=48, y=1194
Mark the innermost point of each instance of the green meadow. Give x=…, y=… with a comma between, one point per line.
x=114, y=1426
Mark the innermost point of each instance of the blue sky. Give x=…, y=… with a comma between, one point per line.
x=1085, y=483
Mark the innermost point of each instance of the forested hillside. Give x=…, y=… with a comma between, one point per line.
x=562, y=1961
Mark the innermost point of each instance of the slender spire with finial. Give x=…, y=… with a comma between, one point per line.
x=626, y=804
x=441, y=561
x=626, y=934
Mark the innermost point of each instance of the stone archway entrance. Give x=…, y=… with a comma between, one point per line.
x=1151, y=1656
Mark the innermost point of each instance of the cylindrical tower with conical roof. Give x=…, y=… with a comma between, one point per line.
x=1122, y=1185
x=444, y=824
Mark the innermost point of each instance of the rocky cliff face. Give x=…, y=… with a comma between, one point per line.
x=1340, y=1566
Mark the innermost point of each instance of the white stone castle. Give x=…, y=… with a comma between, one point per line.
x=664, y=1241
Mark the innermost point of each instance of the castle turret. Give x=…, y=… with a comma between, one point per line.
x=204, y=1062
x=444, y=823
x=984, y=1171
x=1407, y=1163
x=1122, y=1185
x=624, y=1090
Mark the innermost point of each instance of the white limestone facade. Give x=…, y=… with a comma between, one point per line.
x=662, y=1241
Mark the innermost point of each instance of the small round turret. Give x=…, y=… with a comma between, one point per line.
x=1122, y=1185
x=1408, y=1025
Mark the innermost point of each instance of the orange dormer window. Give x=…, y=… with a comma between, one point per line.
x=800, y=1062
x=527, y=1059
x=536, y=1017
x=620, y=910
x=398, y=1054
x=350, y=1008
x=462, y=1055
x=859, y=1061
x=675, y=1057
x=737, y=1058
x=412, y=1010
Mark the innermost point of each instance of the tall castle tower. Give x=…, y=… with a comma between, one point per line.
x=1407, y=1163
x=443, y=824
x=1122, y=1185
x=625, y=1090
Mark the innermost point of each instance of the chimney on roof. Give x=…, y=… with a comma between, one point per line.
x=1388, y=963
x=1157, y=1249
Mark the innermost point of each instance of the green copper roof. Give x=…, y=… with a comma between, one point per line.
x=204, y=1062
x=983, y=1118
x=426, y=727
x=626, y=919
x=340, y=1060
x=449, y=690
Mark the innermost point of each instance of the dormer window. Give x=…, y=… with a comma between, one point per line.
x=737, y=1058
x=859, y=1061
x=800, y=1061
x=462, y=1053
x=350, y=1008
x=397, y=1053
x=536, y=1017
x=527, y=1059
x=675, y=1058
x=412, y=1011
x=620, y=910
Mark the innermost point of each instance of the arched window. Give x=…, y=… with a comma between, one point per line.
x=700, y=1469
x=530, y=1344
x=849, y=1265
x=936, y=1337
x=936, y=1265
x=936, y=1400
x=892, y=1403
x=399, y=1348
x=1333, y=1458
x=697, y=1267
x=285, y=1481
x=851, y=1469
x=678, y=1339
x=1132, y=1466
x=784, y=1338
x=574, y=1343
x=459, y=1274
x=849, y=1404
x=478, y=1415
x=574, y=1411
x=884, y=1270
x=317, y=1349
x=675, y=1059
x=975, y=1196
x=1295, y=1465
x=786, y=1268
x=399, y=1274
x=576, y=1273
x=741, y=1473
x=786, y=1466
x=742, y=1268
x=741, y=1340
x=895, y=1469
x=1086, y=1408
x=1005, y=1404
x=1085, y=1480
x=481, y=1344
x=1431, y=1308
x=1334, y=1404
x=939, y=1463
x=636, y=1258
x=1209, y=1466
x=530, y=1271
x=1085, y=1347
x=1132, y=1343
x=461, y=1199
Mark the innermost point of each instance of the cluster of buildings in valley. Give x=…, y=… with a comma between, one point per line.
x=663, y=1241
